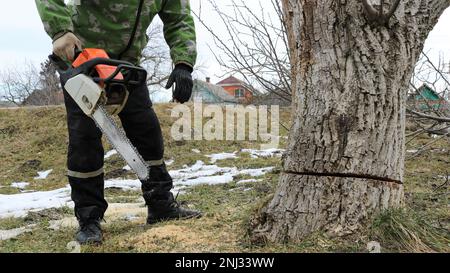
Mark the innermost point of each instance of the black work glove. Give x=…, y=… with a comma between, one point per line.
x=182, y=77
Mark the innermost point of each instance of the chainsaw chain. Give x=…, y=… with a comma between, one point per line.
x=122, y=134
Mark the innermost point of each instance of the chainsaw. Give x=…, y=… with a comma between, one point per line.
x=95, y=82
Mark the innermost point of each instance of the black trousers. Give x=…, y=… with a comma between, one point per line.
x=86, y=154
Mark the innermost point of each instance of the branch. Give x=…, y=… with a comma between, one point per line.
x=440, y=119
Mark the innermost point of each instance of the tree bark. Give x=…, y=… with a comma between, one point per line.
x=345, y=156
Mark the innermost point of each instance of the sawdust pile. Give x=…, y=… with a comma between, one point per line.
x=201, y=237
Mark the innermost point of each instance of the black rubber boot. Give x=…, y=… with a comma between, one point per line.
x=169, y=209
x=90, y=231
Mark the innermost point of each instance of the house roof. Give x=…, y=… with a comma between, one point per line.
x=426, y=92
x=231, y=80
x=217, y=91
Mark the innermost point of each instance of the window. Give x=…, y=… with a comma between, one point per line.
x=239, y=93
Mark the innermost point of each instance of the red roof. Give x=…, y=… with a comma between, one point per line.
x=231, y=80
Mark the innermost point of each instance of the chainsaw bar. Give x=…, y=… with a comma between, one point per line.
x=120, y=142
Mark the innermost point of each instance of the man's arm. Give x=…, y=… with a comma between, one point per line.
x=56, y=17
x=179, y=31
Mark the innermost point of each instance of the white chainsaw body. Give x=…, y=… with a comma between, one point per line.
x=85, y=92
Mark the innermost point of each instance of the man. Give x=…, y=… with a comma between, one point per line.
x=119, y=27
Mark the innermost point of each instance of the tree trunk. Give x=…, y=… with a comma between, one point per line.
x=345, y=157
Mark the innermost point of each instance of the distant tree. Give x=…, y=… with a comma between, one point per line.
x=26, y=85
x=18, y=83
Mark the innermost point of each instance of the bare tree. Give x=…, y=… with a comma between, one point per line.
x=157, y=61
x=255, y=45
x=345, y=157
x=17, y=84
x=156, y=57
x=428, y=115
x=26, y=85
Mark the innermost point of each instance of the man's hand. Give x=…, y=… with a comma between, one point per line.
x=182, y=77
x=64, y=46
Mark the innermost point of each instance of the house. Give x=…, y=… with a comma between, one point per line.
x=238, y=89
x=210, y=93
x=426, y=99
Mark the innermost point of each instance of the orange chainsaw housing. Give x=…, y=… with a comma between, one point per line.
x=104, y=71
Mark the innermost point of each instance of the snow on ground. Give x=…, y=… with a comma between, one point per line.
x=20, y=185
x=13, y=233
x=124, y=184
x=257, y=172
x=197, y=151
x=110, y=153
x=170, y=162
x=222, y=156
x=249, y=181
x=264, y=153
x=43, y=175
x=18, y=205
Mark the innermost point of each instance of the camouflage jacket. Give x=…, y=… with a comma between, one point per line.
x=108, y=24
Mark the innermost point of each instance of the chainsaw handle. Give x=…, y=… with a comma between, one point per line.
x=61, y=65
x=134, y=75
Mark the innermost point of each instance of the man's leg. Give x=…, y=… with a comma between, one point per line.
x=85, y=172
x=142, y=127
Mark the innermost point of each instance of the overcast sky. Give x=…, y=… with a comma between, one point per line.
x=22, y=36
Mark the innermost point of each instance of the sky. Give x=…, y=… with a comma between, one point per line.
x=22, y=36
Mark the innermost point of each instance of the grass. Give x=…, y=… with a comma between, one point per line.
x=33, y=140
x=406, y=230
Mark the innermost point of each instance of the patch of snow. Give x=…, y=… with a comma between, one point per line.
x=257, y=172
x=127, y=168
x=130, y=217
x=20, y=185
x=209, y=180
x=244, y=189
x=170, y=162
x=412, y=151
x=13, y=233
x=124, y=184
x=43, y=175
x=18, y=205
x=197, y=151
x=264, y=153
x=249, y=181
x=222, y=156
x=68, y=222
x=110, y=153
x=374, y=247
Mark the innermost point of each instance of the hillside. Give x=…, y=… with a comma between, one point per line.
x=228, y=180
